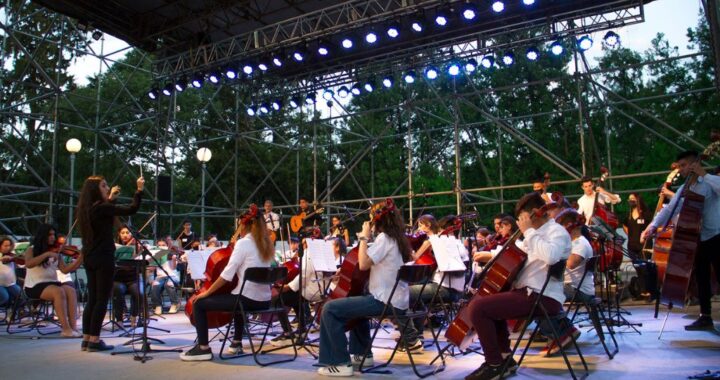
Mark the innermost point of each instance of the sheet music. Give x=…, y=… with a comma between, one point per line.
x=322, y=254
x=197, y=261
x=447, y=253
x=124, y=252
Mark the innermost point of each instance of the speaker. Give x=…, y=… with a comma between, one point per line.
x=164, y=185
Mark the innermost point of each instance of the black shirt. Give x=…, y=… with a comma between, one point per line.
x=314, y=220
x=186, y=240
x=635, y=228
x=102, y=217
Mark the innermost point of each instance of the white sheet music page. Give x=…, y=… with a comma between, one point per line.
x=197, y=261
x=322, y=254
x=447, y=254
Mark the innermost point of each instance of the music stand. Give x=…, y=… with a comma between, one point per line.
x=122, y=253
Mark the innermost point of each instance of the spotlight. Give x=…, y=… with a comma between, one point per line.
x=295, y=102
x=343, y=92
x=214, y=77
x=416, y=25
x=251, y=111
x=197, y=80
x=487, y=61
x=393, y=30
x=328, y=94
x=277, y=61
x=263, y=65
x=97, y=35
x=264, y=108
x=369, y=86
x=453, y=69
x=388, y=81
x=276, y=104
x=298, y=55
x=532, y=54
x=498, y=6
x=167, y=90
x=230, y=73
x=180, y=85
x=310, y=98
x=329, y=104
x=410, y=77
x=431, y=73
x=371, y=37
x=470, y=65
x=355, y=90
x=469, y=11
x=556, y=48
x=611, y=39
x=441, y=17
x=528, y=2
x=247, y=69
x=508, y=59
x=323, y=48
x=347, y=43
x=585, y=43
x=153, y=93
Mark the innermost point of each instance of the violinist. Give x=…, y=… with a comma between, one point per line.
x=165, y=280
x=41, y=282
x=586, y=203
x=707, y=185
x=546, y=243
x=64, y=278
x=212, y=241
x=96, y=213
x=507, y=228
x=187, y=239
x=125, y=282
x=384, y=258
x=253, y=249
x=338, y=230
x=540, y=184
x=481, y=236
x=9, y=289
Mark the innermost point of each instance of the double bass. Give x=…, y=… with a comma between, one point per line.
x=607, y=221
x=663, y=239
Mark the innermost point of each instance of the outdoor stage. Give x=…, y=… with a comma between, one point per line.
x=677, y=355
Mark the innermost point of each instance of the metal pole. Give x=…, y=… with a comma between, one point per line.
x=72, y=188
x=97, y=104
x=500, y=170
x=411, y=195
x=458, y=184
x=580, y=114
x=202, y=218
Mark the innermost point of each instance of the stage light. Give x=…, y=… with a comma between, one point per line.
x=347, y=43
x=508, y=59
x=298, y=55
x=181, y=85
x=388, y=81
x=431, y=73
x=469, y=11
x=310, y=98
x=167, y=90
x=556, y=48
x=329, y=104
x=197, y=80
x=410, y=77
x=230, y=73
x=343, y=92
x=153, y=93
x=417, y=25
x=369, y=86
x=355, y=90
x=295, y=102
x=532, y=54
x=584, y=43
x=498, y=6
x=470, y=65
x=264, y=108
x=251, y=111
x=277, y=61
x=528, y=2
x=328, y=94
x=371, y=37
x=214, y=77
x=441, y=17
x=263, y=65
x=247, y=69
x=487, y=61
x=453, y=69
x=323, y=48
x=393, y=30
x=276, y=104
x=611, y=39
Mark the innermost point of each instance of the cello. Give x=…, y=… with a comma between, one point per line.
x=216, y=263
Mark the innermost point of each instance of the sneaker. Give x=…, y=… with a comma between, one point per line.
x=84, y=345
x=416, y=346
x=512, y=365
x=158, y=310
x=281, y=340
x=336, y=371
x=565, y=341
x=356, y=359
x=196, y=354
x=703, y=323
x=173, y=309
x=485, y=372
x=235, y=348
x=99, y=346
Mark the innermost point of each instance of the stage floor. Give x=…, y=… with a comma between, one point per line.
x=678, y=354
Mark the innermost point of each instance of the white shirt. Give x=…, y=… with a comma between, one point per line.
x=387, y=260
x=313, y=284
x=456, y=282
x=64, y=277
x=582, y=248
x=159, y=273
x=272, y=221
x=545, y=246
x=586, y=204
x=246, y=255
x=7, y=274
x=40, y=273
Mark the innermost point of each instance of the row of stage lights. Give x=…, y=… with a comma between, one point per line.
x=442, y=18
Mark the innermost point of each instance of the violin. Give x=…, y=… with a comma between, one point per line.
x=63, y=249
x=14, y=259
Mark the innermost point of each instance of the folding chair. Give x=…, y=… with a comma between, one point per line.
x=594, y=309
x=556, y=271
x=410, y=274
x=42, y=314
x=262, y=276
x=13, y=312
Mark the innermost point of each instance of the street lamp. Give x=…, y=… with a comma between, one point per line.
x=73, y=146
x=203, y=155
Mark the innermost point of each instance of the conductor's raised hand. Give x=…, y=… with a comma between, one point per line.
x=140, y=183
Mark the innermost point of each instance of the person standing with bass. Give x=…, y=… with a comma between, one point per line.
x=96, y=212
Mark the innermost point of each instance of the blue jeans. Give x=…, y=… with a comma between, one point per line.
x=335, y=316
x=443, y=295
x=157, y=287
x=8, y=293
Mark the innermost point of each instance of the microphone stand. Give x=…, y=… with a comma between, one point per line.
x=141, y=355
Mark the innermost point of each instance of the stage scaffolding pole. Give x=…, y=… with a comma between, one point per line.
x=411, y=195
x=458, y=183
x=581, y=131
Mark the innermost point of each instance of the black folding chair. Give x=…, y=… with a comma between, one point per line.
x=263, y=276
x=41, y=313
x=595, y=310
x=556, y=271
x=410, y=274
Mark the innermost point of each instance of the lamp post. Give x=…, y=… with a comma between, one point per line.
x=203, y=155
x=73, y=146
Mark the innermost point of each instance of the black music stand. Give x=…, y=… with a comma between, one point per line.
x=141, y=355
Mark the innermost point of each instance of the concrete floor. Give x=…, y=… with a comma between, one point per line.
x=677, y=355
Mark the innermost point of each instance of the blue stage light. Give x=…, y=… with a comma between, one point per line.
x=584, y=43
x=532, y=54
x=431, y=73
x=498, y=6
x=410, y=77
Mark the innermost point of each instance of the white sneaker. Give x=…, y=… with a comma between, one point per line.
x=173, y=309
x=357, y=358
x=235, y=348
x=158, y=310
x=196, y=354
x=336, y=371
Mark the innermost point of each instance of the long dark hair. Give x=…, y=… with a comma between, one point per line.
x=40, y=241
x=392, y=225
x=642, y=208
x=89, y=195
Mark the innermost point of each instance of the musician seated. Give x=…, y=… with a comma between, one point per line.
x=473, y=245
x=252, y=249
x=507, y=227
x=546, y=243
x=384, y=258
x=41, y=282
x=338, y=230
x=165, y=279
x=586, y=203
x=212, y=241
x=9, y=289
x=125, y=282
